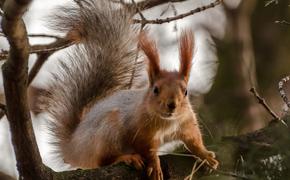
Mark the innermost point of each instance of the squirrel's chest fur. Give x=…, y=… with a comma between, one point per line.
x=121, y=112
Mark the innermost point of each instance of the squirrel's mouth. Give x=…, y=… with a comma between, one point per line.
x=170, y=116
x=167, y=116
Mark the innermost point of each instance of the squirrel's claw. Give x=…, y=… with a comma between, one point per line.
x=211, y=161
x=155, y=173
x=137, y=161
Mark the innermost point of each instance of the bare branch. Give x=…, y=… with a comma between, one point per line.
x=43, y=52
x=139, y=10
x=169, y=19
x=265, y=105
x=41, y=59
x=143, y=5
x=138, y=47
x=15, y=75
x=61, y=43
x=38, y=35
x=55, y=46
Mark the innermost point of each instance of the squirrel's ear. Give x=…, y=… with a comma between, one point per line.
x=186, y=47
x=150, y=50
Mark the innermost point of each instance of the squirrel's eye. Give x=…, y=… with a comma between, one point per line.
x=155, y=90
x=185, y=92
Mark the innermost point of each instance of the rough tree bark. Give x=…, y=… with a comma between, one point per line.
x=15, y=75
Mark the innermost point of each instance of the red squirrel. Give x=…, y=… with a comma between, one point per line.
x=97, y=120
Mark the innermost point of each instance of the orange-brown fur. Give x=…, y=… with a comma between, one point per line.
x=97, y=122
x=160, y=115
x=153, y=120
x=154, y=110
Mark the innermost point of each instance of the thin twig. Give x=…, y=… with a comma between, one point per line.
x=169, y=19
x=41, y=59
x=44, y=54
x=138, y=47
x=191, y=174
x=266, y=106
x=54, y=46
x=198, y=159
x=143, y=5
x=165, y=10
x=175, y=14
x=194, y=170
x=38, y=35
x=139, y=11
x=178, y=154
x=264, y=103
x=282, y=91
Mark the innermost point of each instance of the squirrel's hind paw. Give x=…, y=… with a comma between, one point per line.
x=131, y=159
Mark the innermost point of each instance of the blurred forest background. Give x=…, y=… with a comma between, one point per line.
x=253, y=51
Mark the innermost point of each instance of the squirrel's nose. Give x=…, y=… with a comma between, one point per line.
x=171, y=106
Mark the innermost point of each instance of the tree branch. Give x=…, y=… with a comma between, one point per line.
x=259, y=144
x=59, y=44
x=15, y=75
x=121, y=171
x=38, y=35
x=144, y=5
x=169, y=19
x=264, y=104
x=43, y=52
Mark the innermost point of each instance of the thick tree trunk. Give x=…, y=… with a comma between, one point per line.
x=15, y=76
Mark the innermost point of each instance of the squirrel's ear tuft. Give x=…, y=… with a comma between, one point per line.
x=186, y=47
x=149, y=48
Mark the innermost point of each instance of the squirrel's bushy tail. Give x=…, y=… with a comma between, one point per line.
x=101, y=64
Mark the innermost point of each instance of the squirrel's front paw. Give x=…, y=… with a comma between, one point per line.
x=210, y=157
x=154, y=172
